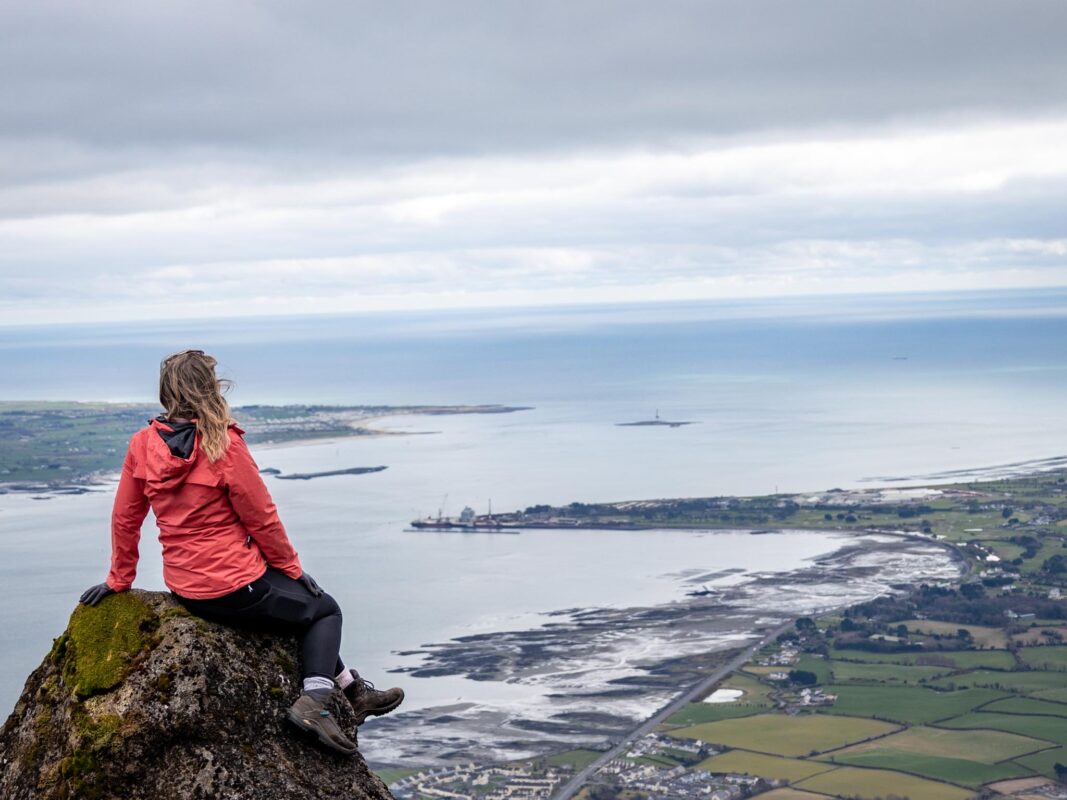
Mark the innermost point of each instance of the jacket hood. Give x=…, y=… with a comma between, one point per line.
x=173, y=454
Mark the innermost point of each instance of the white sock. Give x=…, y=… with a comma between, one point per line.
x=317, y=683
x=344, y=678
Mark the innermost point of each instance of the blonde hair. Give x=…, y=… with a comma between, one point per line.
x=188, y=388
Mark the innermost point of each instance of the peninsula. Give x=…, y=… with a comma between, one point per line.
x=63, y=446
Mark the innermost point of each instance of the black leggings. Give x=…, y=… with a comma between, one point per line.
x=278, y=604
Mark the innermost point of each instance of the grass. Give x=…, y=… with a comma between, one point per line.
x=1027, y=705
x=1049, y=547
x=1036, y=636
x=1051, y=729
x=977, y=659
x=819, y=666
x=905, y=704
x=1045, y=762
x=1006, y=550
x=991, y=638
x=1054, y=695
x=962, y=659
x=982, y=746
x=877, y=783
x=790, y=794
x=755, y=692
x=953, y=770
x=844, y=671
x=63, y=441
x=391, y=775
x=695, y=713
x=763, y=766
x=785, y=735
x=576, y=759
x=1023, y=682
x=1050, y=658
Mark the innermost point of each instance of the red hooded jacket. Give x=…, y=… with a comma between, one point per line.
x=218, y=525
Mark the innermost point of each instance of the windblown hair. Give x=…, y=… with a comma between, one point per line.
x=189, y=389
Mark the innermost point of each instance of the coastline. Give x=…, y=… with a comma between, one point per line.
x=595, y=673
x=266, y=428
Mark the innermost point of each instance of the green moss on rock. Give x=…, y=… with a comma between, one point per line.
x=102, y=642
x=97, y=733
x=82, y=777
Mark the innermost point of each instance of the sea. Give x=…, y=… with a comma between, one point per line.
x=784, y=395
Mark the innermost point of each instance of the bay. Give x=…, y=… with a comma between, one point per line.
x=785, y=396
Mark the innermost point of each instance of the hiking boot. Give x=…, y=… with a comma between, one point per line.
x=311, y=715
x=370, y=702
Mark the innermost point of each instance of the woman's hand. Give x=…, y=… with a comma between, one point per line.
x=310, y=585
x=94, y=594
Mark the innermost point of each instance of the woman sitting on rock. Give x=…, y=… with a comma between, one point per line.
x=226, y=555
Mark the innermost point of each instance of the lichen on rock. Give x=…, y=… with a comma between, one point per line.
x=140, y=700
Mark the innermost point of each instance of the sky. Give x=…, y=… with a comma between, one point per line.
x=204, y=159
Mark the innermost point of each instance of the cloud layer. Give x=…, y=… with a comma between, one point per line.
x=188, y=159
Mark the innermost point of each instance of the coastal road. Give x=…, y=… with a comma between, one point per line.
x=571, y=787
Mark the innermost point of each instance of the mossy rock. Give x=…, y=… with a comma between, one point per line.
x=103, y=641
x=141, y=701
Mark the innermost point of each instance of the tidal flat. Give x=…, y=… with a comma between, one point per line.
x=585, y=675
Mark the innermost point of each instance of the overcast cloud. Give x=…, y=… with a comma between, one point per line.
x=187, y=159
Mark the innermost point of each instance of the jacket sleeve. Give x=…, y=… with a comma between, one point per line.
x=127, y=515
x=254, y=506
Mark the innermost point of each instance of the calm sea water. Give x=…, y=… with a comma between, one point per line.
x=787, y=395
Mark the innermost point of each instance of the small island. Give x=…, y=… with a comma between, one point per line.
x=655, y=421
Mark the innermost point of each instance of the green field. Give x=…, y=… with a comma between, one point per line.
x=820, y=666
x=1027, y=705
x=1006, y=550
x=1055, y=695
x=763, y=766
x=954, y=770
x=1045, y=762
x=1050, y=658
x=1049, y=548
x=784, y=735
x=877, y=783
x=790, y=794
x=1051, y=729
x=982, y=746
x=962, y=659
x=1008, y=681
x=576, y=759
x=392, y=775
x=755, y=692
x=845, y=671
x=993, y=638
x=695, y=713
x=906, y=704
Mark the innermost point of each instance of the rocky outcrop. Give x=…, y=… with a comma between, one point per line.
x=140, y=700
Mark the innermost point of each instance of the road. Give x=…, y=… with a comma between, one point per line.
x=571, y=787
